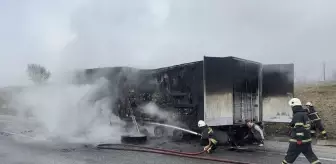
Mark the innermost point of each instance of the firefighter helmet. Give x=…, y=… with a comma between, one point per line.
x=309, y=104
x=294, y=102
x=201, y=123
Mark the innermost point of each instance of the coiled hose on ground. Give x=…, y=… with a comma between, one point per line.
x=129, y=147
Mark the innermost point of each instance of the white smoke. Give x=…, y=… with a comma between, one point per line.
x=70, y=112
x=152, y=109
x=167, y=114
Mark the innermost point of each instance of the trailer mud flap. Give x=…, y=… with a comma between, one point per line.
x=277, y=89
x=218, y=100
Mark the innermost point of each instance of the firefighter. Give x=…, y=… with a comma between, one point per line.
x=208, y=134
x=316, y=121
x=300, y=141
x=255, y=133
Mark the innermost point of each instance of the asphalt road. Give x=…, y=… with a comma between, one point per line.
x=17, y=149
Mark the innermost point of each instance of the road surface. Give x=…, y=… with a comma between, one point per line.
x=18, y=149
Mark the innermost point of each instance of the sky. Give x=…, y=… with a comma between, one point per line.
x=74, y=34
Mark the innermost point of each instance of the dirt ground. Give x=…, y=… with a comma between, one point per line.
x=323, y=96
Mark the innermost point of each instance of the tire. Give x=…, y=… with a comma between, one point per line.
x=178, y=135
x=144, y=131
x=141, y=139
x=222, y=137
x=160, y=131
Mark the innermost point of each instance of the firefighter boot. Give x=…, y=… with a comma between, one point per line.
x=261, y=143
x=211, y=149
x=325, y=136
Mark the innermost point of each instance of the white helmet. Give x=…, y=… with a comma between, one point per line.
x=294, y=102
x=309, y=104
x=201, y=123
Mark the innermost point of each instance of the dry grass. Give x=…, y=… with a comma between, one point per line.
x=323, y=97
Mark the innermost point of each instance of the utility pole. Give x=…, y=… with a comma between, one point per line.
x=324, y=71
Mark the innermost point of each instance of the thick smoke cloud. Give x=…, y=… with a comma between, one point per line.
x=68, y=112
x=64, y=35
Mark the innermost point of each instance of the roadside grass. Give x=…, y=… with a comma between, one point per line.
x=323, y=96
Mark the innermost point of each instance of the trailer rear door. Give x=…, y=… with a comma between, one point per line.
x=277, y=85
x=218, y=100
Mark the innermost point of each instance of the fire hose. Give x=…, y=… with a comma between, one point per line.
x=165, y=152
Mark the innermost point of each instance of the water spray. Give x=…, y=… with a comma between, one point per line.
x=135, y=123
x=175, y=127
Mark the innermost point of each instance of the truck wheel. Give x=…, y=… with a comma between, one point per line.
x=178, y=135
x=222, y=137
x=160, y=131
x=140, y=139
x=144, y=131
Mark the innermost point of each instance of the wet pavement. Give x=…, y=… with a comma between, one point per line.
x=16, y=149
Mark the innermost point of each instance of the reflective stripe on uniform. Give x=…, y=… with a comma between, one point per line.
x=312, y=113
x=312, y=131
x=284, y=162
x=324, y=132
x=213, y=141
x=316, y=119
x=304, y=141
x=300, y=134
x=299, y=124
x=315, y=113
x=315, y=162
x=317, y=116
x=210, y=130
x=307, y=126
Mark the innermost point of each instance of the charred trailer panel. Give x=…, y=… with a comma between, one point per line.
x=223, y=91
x=246, y=90
x=182, y=86
x=176, y=90
x=277, y=88
x=218, y=93
x=231, y=90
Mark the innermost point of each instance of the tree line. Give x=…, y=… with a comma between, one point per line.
x=38, y=73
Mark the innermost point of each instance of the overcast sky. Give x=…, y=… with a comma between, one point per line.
x=70, y=34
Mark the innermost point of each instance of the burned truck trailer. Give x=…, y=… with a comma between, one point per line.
x=223, y=91
x=236, y=89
